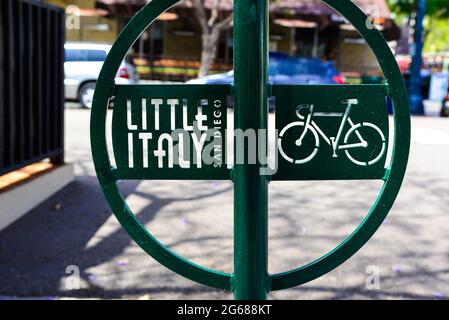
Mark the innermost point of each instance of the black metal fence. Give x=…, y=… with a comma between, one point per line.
x=31, y=83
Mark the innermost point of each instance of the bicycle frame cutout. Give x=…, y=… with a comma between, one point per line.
x=311, y=126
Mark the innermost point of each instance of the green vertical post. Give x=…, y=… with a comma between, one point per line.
x=250, y=279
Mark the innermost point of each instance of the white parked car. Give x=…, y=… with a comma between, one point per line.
x=82, y=66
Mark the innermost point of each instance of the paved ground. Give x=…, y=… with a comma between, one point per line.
x=76, y=227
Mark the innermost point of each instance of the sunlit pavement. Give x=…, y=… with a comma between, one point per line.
x=75, y=228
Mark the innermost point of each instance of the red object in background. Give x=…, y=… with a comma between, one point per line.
x=339, y=79
x=404, y=63
x=124, y=73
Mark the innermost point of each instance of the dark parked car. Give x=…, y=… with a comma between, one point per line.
x=286, y=70
x=445, y=105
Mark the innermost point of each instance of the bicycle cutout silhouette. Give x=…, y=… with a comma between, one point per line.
x=356, y=131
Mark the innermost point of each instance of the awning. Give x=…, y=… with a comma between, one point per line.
x=128, y=8
x=301, y=12
x=287, y=7
x=87, y=12
x=316, y=7
x=295, y=23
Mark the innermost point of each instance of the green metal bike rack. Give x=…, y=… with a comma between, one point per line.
x=144, y=116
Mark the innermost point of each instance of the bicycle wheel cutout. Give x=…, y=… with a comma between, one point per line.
x=373, y=144
x=307, y=149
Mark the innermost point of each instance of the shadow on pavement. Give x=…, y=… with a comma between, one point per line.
x=34, y=255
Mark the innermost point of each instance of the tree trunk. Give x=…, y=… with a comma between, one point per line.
x=209, y=51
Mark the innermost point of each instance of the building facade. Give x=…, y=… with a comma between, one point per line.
x=171, y=48
x=86, y=23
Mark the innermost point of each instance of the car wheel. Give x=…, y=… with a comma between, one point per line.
x=445, y=109
x=86, y=95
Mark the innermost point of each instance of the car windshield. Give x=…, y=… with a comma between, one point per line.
x=84, y=55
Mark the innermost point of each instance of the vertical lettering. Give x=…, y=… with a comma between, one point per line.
x=131, y=126
x=185, y=116
x=185, y=164
x=144, y=114
x=145, y=137
x=130, y=150
x=172, y=103
x=157, y=104
x=199, y=145
x=160, y=153
x=200, y=117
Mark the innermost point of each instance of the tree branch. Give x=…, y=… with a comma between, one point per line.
x=201, y=15
x=225, y=23
x=214, y=13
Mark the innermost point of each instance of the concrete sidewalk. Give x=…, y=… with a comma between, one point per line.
x=195, y=219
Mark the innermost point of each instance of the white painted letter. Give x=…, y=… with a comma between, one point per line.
x=199, y=117
x=185, y=116
x=144, y=114
x=173, y=103
x=130, y=150
x=160, y=153
x=199, y=145
x=157, y=103
x=131, y=126
x=145, y=136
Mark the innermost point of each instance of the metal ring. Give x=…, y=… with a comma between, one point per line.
x=105, y=90
x=395, y=173
x=105, y=173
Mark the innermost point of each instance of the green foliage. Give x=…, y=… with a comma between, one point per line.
x=435, y=8
x=436, y=24
x=437, y=39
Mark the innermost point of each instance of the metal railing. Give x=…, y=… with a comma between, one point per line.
x=31, y=83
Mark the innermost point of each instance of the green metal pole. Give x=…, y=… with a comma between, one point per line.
x=250, y=279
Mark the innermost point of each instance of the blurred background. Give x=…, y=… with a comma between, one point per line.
x=184, y=43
